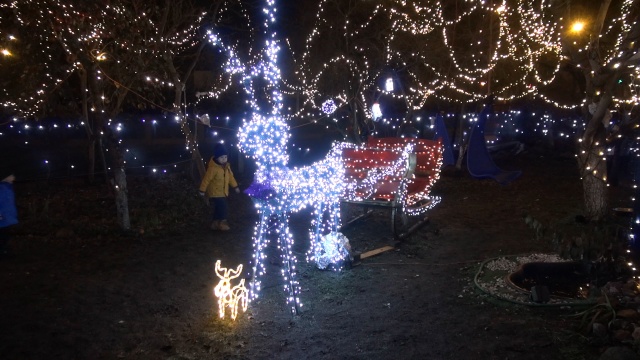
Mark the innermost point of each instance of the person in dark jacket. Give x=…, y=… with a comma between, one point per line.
x=215, y=185
x=8, y=211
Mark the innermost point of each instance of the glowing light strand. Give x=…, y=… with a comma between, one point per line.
x=278, y=190
x=230, y=296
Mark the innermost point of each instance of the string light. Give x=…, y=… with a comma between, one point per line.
x=230, y=296
x=86, y=29
x=505, y=125
x=525, y=36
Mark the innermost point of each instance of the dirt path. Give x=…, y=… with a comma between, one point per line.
x=151, y=297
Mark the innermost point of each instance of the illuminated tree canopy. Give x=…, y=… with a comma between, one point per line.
x=447, y=51
x=340, y=53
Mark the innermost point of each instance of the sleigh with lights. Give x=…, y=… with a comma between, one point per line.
x=395, y=174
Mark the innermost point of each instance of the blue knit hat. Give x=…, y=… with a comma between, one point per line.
x=219, y=150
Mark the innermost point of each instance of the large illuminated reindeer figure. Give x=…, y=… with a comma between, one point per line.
x=278, y=190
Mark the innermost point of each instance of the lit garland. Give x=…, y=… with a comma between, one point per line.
x=525, y=35
x=503, y=126
x=230, y=296
x=524, y=32
x=97, y=40
x=633, y=251
x=92, y=33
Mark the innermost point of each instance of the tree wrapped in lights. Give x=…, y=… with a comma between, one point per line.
x=453, y=52
x=28, y=66
x=56, y=28
x=604, y=54
x=118, y=69
x=461, y=52
x=341, y=61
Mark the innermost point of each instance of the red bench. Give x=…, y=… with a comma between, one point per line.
x=396, y=173
x=427, y=171
x=375, y=174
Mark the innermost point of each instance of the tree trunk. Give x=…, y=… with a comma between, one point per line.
x=596, y=195
x=122, y=198
x=591, y=158
x=593, y=169
x=355, y=125
x=119, y=182
x=91, y=153
x=196, y=157
x=103, y=160
x=460, y=139
x=408, y=116
x=461, y=153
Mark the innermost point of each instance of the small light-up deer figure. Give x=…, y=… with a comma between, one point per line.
x=278, y=190
x=227, y=295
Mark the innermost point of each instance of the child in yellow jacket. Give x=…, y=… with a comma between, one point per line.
x=215, y=185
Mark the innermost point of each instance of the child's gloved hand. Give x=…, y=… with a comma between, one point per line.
x=237, y=190
x=201, y=193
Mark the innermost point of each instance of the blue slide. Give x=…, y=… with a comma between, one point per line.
x=479, y=162
x=441, y=132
